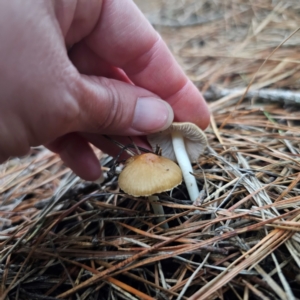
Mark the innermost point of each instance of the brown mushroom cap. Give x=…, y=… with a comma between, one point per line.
x=194, y=139
x=148, y=174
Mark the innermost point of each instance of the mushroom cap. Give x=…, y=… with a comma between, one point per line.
x=194, y=139
x=147, y=174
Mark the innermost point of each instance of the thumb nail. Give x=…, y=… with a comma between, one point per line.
x=152, y=114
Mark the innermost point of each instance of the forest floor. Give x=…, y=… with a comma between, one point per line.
x=61, y=237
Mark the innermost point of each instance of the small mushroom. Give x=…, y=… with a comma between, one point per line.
x=184, y=143
x=147, y=174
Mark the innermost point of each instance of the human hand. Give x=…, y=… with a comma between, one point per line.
x=71, y=71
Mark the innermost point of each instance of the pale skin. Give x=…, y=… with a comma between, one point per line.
x=72, y=71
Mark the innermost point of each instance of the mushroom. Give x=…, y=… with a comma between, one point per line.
x=184, y=143
x=147, y=174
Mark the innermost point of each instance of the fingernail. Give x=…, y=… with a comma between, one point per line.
x=152, y=114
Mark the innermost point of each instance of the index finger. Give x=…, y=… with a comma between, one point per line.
x=124, y=38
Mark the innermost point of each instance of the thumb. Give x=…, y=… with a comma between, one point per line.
x=109, y=106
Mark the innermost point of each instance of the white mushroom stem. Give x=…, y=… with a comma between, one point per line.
x=158, y=210
x=185, y=165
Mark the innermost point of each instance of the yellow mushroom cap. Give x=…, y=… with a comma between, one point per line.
x=147, y=174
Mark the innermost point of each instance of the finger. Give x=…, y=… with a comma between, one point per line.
x=113, y=107
x=125, y=39
x=89, y=63
x=78, y=155
x=109, y=147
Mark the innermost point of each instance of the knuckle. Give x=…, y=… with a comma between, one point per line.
x=113, y=111
x=73, y=84
x=68, y=109
x=106, y=111
x=58, y=111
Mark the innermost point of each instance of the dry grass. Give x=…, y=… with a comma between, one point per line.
x=64, y=238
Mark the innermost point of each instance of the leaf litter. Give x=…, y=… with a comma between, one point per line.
x=63, y=238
